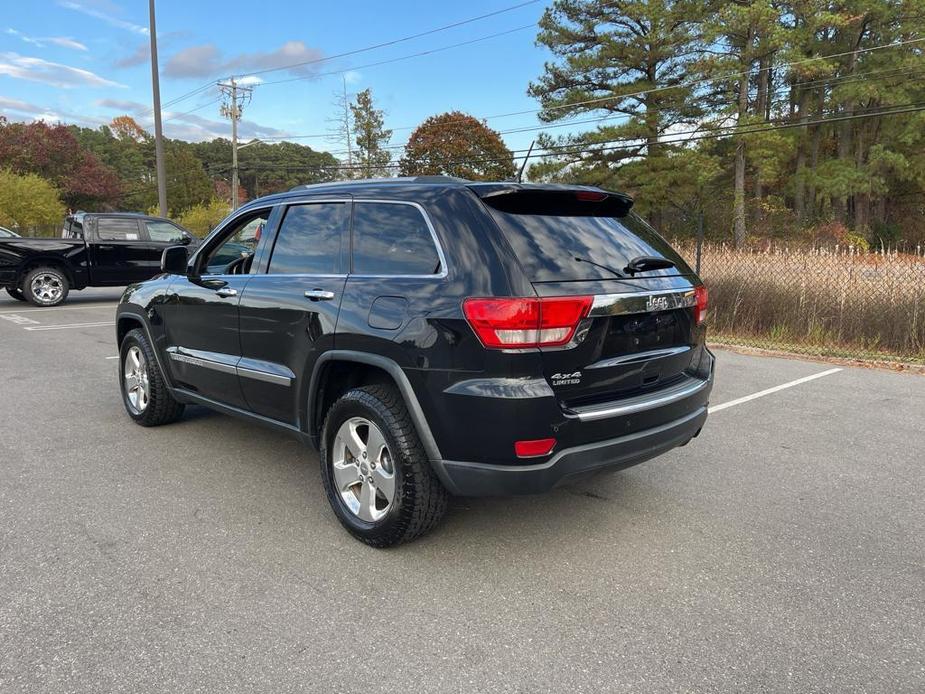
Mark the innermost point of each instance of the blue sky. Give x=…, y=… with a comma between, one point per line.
x=86, y=61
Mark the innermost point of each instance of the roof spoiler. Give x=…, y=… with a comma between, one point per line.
x=558, y=200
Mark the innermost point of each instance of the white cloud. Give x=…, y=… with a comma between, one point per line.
x=207, y=61
x=55, y=74
x=20, y=106
x=250, y=81
x=104, y=11
x=140, y=56
x=352, y=76
x=43, y=41
x=66, y=42
x=35, y=112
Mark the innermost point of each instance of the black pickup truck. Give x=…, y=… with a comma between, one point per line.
x=96, y=250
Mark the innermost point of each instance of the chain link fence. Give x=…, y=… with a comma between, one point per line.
x=821, y=302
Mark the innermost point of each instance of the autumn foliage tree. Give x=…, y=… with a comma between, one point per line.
x=456, y=144
x=53, y=153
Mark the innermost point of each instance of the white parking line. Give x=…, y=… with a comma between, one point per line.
x=61, y=308
x=19, y=320
x=769, y=391
x=68, y=326
x=115, y=357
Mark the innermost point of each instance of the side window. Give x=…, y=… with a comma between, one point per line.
x=235, y=253
x=116, y=229
x=164, y=232
x=392, y=239
x=311, y=240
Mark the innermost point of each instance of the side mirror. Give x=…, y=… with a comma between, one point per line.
x=174, y=260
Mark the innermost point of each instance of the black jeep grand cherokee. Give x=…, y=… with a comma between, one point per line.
x=429, y=336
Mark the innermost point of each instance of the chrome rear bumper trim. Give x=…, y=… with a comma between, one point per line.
x=642, y=302
x=640, y=356
x=641, y=403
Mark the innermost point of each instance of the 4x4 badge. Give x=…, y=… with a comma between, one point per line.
x=572, y=379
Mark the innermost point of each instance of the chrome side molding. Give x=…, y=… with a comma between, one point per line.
x=226, y=363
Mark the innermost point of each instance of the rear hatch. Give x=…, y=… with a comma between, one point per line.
x=641, y=333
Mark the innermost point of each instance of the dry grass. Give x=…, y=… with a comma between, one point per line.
x=836, y=302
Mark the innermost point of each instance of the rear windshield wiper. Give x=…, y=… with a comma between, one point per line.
x=645, y=263
x=615, y=273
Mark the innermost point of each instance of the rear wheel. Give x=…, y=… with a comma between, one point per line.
x=144, y=392
x=16, y=293
x=46, y=286
x=376, y=475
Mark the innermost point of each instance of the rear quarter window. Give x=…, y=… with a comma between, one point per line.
x=392, y=239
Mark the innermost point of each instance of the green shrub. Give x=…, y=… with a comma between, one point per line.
x=201, y=219
x=28, y=201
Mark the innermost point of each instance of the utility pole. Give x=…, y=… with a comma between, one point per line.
x=347, y=125
x=237, y=95
x=158, y=130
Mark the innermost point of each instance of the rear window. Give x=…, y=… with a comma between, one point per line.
x=547, y=242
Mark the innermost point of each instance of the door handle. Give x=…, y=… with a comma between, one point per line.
x=226, y=292
x=319, y=295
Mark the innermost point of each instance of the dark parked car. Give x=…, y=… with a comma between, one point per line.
x=430, y=336
x=96, y=250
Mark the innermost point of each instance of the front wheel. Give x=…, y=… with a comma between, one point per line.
x=144, y=392
x=16, y=293
x=46, y=286
x=376, y=475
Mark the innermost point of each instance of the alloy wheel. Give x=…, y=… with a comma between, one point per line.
x=46, y=287
x=364, y=470
x=135, y=380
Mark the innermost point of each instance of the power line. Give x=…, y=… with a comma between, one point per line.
x=393, y=41
x=400, y=58
x=627, y=143
x=831, y=81
x=622, y=96
x=211, y=83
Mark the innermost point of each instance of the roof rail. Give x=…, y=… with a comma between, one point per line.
x=397, y=179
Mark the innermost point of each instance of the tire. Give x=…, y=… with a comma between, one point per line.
x=46, y=286
x=16, y=293
x=418, y=499
x=140, y=375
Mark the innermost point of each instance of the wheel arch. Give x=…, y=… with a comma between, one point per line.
x=126, y=321
x=49, y=261
x=359, y=368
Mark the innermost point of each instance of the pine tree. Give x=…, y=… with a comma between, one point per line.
x=370, y=136
x=626, y=63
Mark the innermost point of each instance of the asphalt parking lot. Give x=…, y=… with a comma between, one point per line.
x=783, y=550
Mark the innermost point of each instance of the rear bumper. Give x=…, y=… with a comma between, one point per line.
x=480, y=479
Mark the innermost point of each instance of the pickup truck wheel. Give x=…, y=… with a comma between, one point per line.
x=376, y=475
x=46, y=286
x=16, y=293
x=144, y=392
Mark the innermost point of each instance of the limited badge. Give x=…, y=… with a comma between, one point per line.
x=572, y=379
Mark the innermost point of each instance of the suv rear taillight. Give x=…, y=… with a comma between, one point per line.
x=526, y=322
x=700, y=308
